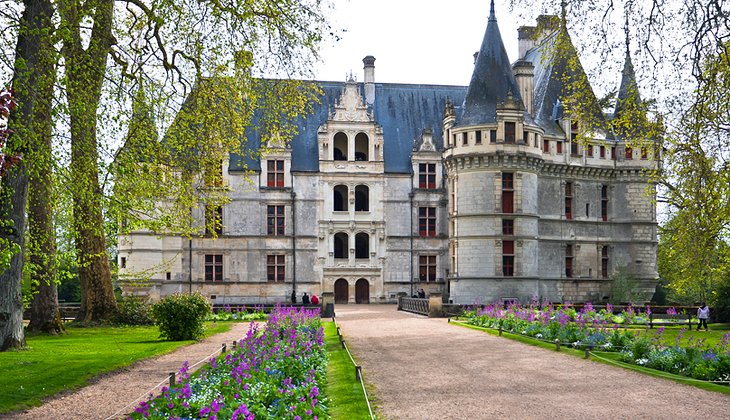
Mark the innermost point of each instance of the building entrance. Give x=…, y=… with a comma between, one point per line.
x=362, y=291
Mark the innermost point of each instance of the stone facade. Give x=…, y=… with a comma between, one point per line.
x=395, y=192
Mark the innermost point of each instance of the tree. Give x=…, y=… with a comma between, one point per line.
x=29, y=79
x=194, y=44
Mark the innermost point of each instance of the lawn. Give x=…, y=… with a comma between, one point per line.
x=347, y=400
x=670, y=334
x=52, y=364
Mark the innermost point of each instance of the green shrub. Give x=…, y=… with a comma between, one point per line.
x=133, y=310
x=181, y=316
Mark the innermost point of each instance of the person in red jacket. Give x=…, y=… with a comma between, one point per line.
x=315, y=300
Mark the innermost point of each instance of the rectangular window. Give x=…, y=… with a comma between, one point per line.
x=275, y=173
x=427, y=176
x=568, y=261
x=588, y=209
x=644, y=154
x=213, y=220
x=569, y=200
x=602, y=152
x=613, y=153
x=427, y=268
x=168, y=275
x=629, y=153
x=509, y=132
x=492, y=136
x=275, y=222
x=508, y=227
x=545, y=146
x=275, y=268
x=427, y=221
x=604, y=202
x=590, y=150
x=123, y=262
x=525, y=137
x=464, y=139
x=214, y=174
x=478, y=139
x=574, y=148
x=559, y=147
x=604, y=262
x=454, y=136
x=508, y=258
x=214, y=267
x=507, y=192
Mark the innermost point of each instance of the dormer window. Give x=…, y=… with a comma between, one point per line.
x=509, y=132
x=427, y=176
x=275, y=173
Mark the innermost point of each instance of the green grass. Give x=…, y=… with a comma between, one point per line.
x=52, y=364
x=613, y=358
x=347, y=400
x=712, y=337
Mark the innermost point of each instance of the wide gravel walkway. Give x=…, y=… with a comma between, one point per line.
x=114, y=392
x=427, y=369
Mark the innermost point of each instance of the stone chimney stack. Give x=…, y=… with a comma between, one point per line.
x=527, y=38
x=369, y=69
x=524, y=72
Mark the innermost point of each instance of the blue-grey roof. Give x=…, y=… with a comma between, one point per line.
x=551, y=70
x=491, y=80
x=628, y=90
x=402, y=110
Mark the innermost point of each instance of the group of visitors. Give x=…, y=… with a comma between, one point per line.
x=306, y=299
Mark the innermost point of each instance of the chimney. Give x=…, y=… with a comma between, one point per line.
x=527, y=38
x=369, y=69
x=524, y=76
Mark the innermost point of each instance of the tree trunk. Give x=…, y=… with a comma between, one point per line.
x=44, y=313
x=28, y=76
x=85, y=71
x=12, y=202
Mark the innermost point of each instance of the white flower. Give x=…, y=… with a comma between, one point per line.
x=539, y=336
x=641, y=362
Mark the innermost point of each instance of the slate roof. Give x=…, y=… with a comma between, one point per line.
x=491, y=80
x=402, y=110
x=628, y=90
x=548, y=85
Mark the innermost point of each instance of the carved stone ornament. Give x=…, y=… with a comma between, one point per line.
x=351, y=106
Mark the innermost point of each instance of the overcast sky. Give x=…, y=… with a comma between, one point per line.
x=413, y=41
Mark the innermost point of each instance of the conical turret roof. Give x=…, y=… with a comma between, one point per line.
x=491, y=81
x=628, y=92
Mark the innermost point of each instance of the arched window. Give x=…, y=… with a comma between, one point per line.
x=362, y=198
x=362, y=245
x=362, y=147
x=340, y=150
x=340, y=198
x=341, y=240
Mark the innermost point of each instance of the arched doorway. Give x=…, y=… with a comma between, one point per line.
x=362, y=291
x=342, y=291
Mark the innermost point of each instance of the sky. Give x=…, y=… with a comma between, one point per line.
x=413, y=41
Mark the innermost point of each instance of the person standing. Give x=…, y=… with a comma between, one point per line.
x=293, y=297
x=703, y=314
x=305, y=299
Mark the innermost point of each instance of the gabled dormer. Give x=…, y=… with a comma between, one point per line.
x=426, y=160
x=351, y=140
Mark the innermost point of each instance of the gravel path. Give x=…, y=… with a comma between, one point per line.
x=427, y=369
x=113, y=392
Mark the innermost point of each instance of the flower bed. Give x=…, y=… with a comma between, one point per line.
x=274, y=373
x=600, y=330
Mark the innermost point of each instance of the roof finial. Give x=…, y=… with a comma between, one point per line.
x=492, y=16
x=626, y=31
